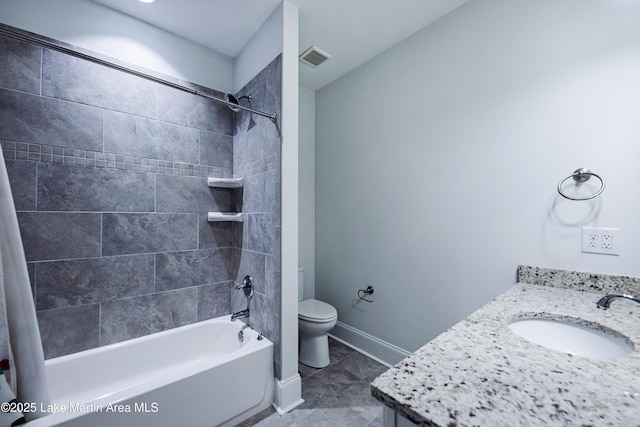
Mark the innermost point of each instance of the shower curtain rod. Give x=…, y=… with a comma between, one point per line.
x=29, y=38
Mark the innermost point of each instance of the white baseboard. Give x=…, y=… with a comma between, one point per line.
x=287, y=394
x=375, y=348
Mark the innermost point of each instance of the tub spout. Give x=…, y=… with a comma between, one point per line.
x=240, y=315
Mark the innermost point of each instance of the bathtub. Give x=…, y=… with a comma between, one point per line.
x=195, y=375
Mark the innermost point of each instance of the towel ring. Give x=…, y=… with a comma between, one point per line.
x=579, y=176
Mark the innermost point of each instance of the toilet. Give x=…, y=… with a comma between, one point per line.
x=315, y=320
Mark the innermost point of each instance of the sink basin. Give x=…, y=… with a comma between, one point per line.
x=572, y=338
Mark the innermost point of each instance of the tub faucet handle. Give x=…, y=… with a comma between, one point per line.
x=246, y=281
x=246, y=286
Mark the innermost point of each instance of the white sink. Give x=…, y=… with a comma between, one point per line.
x=571, y=338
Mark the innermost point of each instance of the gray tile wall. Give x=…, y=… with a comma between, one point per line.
x=108, y=173
x=256, y=157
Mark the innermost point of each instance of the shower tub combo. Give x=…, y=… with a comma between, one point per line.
x=210, y=373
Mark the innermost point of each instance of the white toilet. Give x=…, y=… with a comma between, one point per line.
x=315, y=320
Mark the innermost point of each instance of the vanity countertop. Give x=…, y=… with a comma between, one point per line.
x=479, y=373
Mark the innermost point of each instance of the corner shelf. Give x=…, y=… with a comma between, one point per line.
x=225, y=183
x=224, y=216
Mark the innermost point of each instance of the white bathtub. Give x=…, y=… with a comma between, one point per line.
x=195, y=375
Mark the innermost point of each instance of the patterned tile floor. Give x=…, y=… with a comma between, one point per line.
x=338, y=395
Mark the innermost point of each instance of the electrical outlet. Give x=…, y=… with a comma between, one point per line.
x=601, y=240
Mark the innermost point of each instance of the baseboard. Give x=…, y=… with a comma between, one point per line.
x=287, y=394
x=375, y=348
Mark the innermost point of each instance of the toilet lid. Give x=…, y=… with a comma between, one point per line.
x=314, y=310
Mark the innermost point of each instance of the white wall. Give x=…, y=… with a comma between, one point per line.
x=306, y=188
x=437, y=162
x=289, y=387
x=103, y=30
x=262, y=48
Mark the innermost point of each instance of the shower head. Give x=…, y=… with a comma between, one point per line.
x=232, y=98
x=252, y=122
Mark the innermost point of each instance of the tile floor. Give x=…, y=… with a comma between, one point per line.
x=338, y=395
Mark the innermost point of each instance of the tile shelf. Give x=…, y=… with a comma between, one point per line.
x=225, y=183
x=224, y=216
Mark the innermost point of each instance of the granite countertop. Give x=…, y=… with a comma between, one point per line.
x=479, y=373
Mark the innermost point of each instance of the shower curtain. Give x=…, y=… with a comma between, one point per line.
x=19, y=334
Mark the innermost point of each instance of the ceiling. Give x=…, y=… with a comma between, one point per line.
x=351, y=31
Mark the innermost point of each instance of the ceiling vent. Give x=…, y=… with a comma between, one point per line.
x=314, y=56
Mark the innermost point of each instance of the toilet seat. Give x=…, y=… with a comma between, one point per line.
x=316, y=311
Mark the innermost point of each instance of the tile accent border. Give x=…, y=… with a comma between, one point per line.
x=84, y=158
x=578, y=281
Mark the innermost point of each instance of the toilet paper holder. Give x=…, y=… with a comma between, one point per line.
x=368, y=291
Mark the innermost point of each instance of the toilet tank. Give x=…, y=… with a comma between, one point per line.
x=300, y=284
